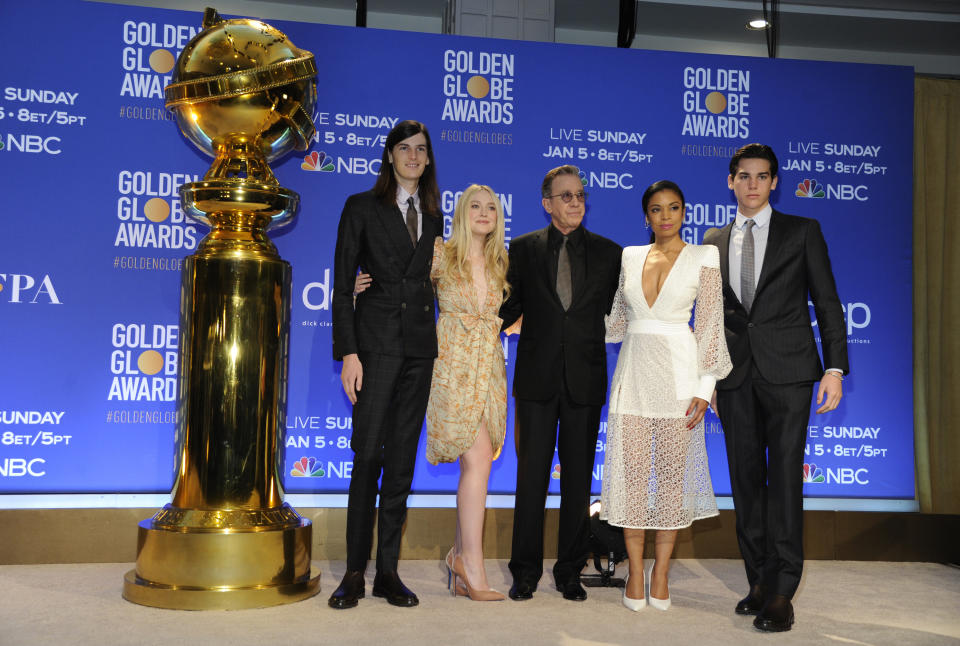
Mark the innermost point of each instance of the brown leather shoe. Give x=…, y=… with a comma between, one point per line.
x=776, y=615
x=349, y=592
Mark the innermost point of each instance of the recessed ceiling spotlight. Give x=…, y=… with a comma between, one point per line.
x=758, y=24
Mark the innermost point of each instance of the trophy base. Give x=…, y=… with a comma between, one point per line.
x=196, y=569
x=145, y=593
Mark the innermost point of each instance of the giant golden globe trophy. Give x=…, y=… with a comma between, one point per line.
x=243, y=93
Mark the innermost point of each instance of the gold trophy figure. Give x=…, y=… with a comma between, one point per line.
x=243, y=93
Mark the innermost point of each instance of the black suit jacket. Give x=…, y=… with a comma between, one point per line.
x=395, y=315
x=554, y=343
x=777, y=334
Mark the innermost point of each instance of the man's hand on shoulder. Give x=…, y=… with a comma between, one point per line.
x=351, y=376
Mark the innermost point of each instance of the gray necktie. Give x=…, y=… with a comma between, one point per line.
x=564, y=282
x=412, y=221
x=747, y=281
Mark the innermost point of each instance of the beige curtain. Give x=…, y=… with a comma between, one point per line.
x=936, y=293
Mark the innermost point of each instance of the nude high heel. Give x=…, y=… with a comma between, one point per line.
x=471, y=592
x=455, y=587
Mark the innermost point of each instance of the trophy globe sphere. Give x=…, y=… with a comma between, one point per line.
x=244, y=94
x=241, y=88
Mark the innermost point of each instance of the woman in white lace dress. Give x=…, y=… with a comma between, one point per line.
x=656, y=474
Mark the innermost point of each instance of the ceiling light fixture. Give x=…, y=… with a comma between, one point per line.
x=758, y=24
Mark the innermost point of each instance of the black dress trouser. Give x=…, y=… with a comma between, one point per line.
x=572, y=429
x=387, y=422
x=765, y=429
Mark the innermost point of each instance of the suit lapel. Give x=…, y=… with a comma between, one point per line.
x=429, y=228
x=724, y=248
x=775, y=241
x=542, y=259
x=392, y=222
x=587, y=257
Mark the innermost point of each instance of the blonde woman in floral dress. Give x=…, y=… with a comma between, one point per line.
x=466, y=414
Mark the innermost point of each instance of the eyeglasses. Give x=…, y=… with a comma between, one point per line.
x=566, y=196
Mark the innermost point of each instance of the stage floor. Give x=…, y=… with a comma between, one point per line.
x=839, y=602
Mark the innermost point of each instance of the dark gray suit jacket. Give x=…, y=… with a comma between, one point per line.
x=777, y=333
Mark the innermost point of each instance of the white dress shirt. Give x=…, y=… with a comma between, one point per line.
x=402, y=197
x=761, y=231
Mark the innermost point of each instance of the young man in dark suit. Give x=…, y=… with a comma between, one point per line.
x=772, y=264
x=563, y=279
x=387, y=341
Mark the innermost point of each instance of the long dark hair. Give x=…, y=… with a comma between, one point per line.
x=386, y=187
x=656, y=187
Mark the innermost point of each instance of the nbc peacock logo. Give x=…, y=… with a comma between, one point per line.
x=809, y=188
x=812, y=473
x=307, y=468
x=318, y=161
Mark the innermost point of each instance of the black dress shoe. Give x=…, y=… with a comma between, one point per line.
x=349, y=592
x=776, y=615
x=520, y=591
x=752, y=603
x=389, y=586
x=573, y=591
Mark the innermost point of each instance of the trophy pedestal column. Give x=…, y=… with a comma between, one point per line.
x=227, y=540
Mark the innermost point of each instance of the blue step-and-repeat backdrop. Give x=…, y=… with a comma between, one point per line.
x=94, y=235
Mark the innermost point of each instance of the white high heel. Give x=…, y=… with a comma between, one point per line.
x=659, y=604
x=633, y=604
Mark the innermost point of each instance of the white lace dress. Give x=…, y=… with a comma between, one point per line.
x=655, y=475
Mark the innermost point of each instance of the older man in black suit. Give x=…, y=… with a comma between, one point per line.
x=563, y=279
x=387, y=341
x=771, y=264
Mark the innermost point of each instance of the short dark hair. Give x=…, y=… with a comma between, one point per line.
x=755, y=151
x=566, y=169
x=653, y=189
x=386, y=186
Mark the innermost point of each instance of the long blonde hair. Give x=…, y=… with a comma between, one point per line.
x=455, y=263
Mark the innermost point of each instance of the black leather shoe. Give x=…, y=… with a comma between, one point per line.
x=776, y=615
x=520, y=591
x=349, y=592
x=752, y=603
x=388, y=585
x=573, y=591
